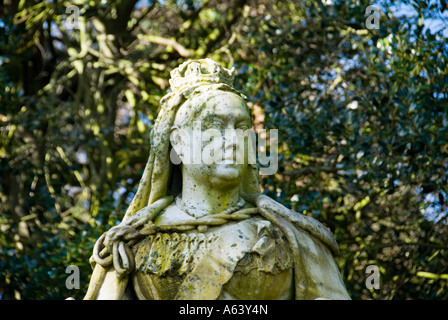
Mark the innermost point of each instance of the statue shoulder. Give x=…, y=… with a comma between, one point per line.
x=300, y=221
x=321, y=232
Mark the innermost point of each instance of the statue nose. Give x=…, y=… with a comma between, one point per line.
x=230, y=137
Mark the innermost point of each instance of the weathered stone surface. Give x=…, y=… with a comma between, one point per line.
x=201, y=229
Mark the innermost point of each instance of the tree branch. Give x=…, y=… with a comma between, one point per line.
x=183, y=52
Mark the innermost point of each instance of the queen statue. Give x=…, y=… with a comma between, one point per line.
x=201, y=229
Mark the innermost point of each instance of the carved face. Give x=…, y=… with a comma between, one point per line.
x=209, y=137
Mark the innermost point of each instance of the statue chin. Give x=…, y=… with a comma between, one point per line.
x=227, y=174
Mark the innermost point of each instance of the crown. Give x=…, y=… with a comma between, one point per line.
x=200, y=72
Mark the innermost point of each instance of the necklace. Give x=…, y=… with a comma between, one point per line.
x=190, y=210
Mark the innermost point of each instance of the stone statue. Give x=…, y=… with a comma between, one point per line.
x=198, y=230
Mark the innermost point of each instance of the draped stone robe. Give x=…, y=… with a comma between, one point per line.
x=249, y=259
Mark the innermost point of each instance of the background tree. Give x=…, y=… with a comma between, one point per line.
x=362, y=118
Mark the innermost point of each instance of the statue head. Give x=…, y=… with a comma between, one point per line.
x=200, y=133
x=210, y=137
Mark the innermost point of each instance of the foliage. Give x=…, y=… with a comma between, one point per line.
x=362, y=118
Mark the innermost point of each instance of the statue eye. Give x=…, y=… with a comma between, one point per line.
x=242, y=125
x=216, y=123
